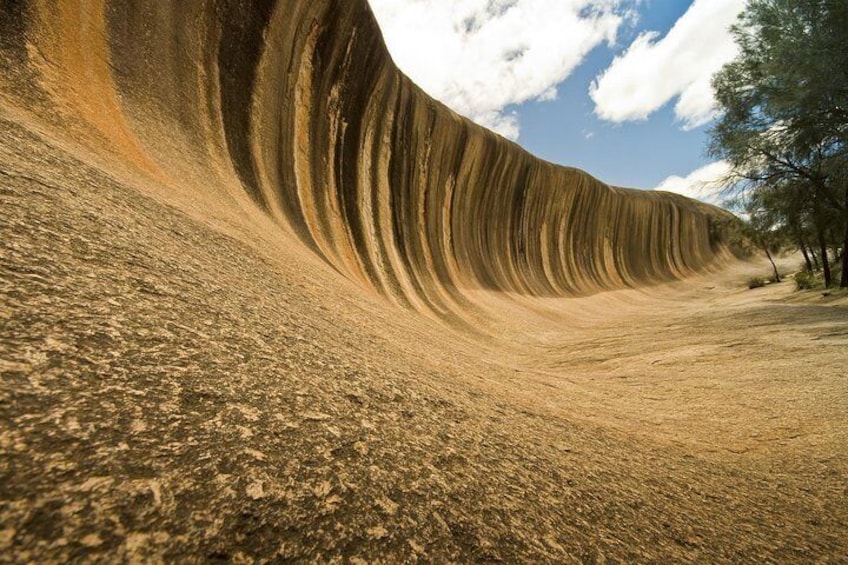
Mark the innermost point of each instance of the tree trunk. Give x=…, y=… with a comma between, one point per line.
x=820, y=224
x=828, y=278
x=844, y=282
x=807, y=261
x=773, y=266
x=815, y=258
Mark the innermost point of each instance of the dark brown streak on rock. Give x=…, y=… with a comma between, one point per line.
x=243, y=28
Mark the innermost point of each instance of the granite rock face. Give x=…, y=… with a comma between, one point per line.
x=264, y=301
x=299, y=104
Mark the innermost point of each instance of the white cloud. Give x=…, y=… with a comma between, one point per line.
x=680, y=65
x=704, y=184
x=481, y=56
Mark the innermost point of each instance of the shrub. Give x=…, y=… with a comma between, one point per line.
x=805, y=280
x=756, y=282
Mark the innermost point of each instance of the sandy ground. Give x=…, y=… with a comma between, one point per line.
x=179, y=388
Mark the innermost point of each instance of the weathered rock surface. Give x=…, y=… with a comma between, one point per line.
x=299, y=105
x=210, y=212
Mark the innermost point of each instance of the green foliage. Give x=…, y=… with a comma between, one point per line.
x=756, y=282
x=731, y=231
x=783, y=122
x=805, y=280
x=763, y=229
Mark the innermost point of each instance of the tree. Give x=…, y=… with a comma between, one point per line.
x=762, y=230
x=783, y=122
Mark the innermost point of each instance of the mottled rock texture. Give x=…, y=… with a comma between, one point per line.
x=263, y=301
x=300, y=105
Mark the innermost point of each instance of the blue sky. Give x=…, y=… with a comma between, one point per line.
x=619, y=88
x=639, y=154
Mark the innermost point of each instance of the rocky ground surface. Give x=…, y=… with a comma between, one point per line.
x=174, y=392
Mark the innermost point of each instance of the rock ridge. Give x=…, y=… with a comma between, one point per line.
x=299, y=104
